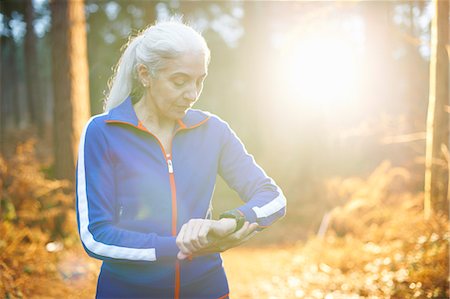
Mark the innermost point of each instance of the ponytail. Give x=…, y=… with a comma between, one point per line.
x=121, y=84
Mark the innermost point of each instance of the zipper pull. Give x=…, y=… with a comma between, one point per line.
x=170, y=166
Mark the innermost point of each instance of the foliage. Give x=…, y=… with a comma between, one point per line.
x=35, y=211
x=30, y=199
x=23, y=258
x=379, y=244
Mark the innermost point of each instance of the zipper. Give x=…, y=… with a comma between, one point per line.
x=169, y=164
x=168, y=158
x=173, y=190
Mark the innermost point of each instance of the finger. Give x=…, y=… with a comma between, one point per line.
x=244, y=234
x=250, y=229
x=203, y=235
x=181, y=255
x=241, y=236
x=244, y=227
x=242, y=231
x=247, y=238
x=195, y=238
x=255, y=225
x=191, y=238
x=179, y=240
x=223, y=227
x=240, y=241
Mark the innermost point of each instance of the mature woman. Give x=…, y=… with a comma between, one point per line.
x=146, y=173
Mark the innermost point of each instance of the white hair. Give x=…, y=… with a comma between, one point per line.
x=151, y=47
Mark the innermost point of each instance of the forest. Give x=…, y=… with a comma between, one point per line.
x=345, y=104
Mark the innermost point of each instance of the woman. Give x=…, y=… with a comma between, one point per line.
x=146, y=174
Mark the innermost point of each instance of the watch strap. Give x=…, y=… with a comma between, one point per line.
x=234, y=214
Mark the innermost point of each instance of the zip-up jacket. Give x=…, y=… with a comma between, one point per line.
x=133, y=196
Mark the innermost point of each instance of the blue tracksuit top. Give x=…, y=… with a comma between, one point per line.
x=133, y=197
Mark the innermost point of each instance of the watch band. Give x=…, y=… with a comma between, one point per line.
x=234, y=214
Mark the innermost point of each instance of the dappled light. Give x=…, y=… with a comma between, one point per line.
x=343, y=104
x=377, y=243
x=367, y=252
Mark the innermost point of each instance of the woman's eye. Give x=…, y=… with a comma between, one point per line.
x=179, y=83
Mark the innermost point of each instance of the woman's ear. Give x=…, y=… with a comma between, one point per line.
x=143, y=74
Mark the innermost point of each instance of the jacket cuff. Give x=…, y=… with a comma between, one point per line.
x=249, y=214
x=166, y=247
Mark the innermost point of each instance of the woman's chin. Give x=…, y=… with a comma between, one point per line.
x=180, y=112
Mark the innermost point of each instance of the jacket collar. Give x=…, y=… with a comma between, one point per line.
x=124, y=113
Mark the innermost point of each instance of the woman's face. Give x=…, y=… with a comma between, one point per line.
x=178, y=85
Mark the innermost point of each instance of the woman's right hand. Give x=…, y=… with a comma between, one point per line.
x=203, y=236
x=193, y=235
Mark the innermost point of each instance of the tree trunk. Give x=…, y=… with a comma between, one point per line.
x=11, y=50
x=70, y=83
x=436, y=166
x=14, y=77
x=31, y=70
x=3, y=106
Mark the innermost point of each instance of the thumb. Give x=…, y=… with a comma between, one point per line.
x=181, y=255
x=223, y=227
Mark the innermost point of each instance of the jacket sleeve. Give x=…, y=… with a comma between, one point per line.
x=264, y=200
x=96, y=209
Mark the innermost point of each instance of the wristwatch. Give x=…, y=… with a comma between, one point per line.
x=234, y=214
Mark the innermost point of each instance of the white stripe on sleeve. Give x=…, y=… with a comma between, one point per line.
x=99, y=248
x=272, y=207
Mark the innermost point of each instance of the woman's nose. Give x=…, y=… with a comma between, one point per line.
x=191, y=94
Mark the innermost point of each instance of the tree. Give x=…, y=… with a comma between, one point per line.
x=109, y=35
x=70, y=82
x=436, y=166
x=31, y=70
x=10, y=78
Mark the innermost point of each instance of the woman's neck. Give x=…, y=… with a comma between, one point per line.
x=148, y=115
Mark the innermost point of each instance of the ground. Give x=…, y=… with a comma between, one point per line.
x=78, y=274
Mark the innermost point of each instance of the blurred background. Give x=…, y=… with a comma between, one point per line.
x=344, y=104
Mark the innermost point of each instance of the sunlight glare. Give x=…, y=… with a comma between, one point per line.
x=322, y=69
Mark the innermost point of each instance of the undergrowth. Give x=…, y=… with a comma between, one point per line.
x=378, y=244
x=36, y=219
